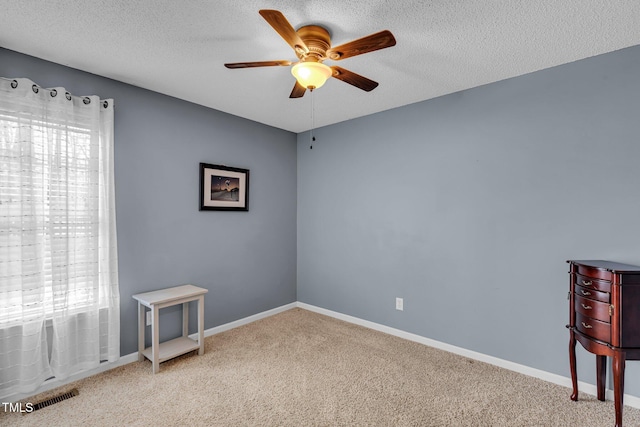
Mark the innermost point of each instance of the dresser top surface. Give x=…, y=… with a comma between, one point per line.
x=608, y=265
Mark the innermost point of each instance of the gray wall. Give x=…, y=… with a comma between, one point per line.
x=247, y=260
x=467, y=206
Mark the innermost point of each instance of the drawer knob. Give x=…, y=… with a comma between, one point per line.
x=585, y=293
x=587, y=282
x=586, y=307
x=586, y=325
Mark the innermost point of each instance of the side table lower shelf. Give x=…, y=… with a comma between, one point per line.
x=172, y=348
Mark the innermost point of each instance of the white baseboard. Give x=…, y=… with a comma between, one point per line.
x=629, y=400
x=245, y=321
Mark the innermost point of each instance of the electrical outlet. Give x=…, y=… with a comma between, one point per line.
x=148, y=318
x=399, y=304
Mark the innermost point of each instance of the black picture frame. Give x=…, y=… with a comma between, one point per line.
x=223, y=188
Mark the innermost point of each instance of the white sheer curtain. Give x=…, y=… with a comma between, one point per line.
x=58, y=260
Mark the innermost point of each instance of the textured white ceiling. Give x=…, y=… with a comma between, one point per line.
x=443, y=46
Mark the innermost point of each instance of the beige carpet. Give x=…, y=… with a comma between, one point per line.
x=299, y=368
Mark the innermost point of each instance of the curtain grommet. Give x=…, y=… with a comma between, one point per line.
x=105, y=104
x=68, y=96
x=53, y=93
x=14, y=84
x=86, y=100
x=35, y=89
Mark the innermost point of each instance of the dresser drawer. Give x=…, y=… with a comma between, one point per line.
x=594, y=272
x=593, y=328
x=593, y=283
x=592, y=294
x=594, y=309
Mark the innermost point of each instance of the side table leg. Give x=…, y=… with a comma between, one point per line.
x=201, y=324
x=601, y=375
x=141, y=325
x=572, y=364
x=185, y=319
x=618, y=384
x=155, y=343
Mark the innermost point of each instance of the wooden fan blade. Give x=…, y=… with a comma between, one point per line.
x=279, y=23
x=354, y=79
x=258, y=64
x=298, y=91
x=366, y=44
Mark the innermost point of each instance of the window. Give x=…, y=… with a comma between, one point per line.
x=66, y=228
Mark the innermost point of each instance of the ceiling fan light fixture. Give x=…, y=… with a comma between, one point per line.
x=311, y=75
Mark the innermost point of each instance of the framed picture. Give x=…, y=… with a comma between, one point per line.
x=223, y=188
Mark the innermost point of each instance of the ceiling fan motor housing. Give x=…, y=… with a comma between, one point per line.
x=317, y=40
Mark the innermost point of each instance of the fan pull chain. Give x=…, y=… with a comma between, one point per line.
x=311, y=137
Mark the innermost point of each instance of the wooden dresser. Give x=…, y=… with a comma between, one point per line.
x=604, y=316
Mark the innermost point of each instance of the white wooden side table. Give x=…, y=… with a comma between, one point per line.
x=155, y=300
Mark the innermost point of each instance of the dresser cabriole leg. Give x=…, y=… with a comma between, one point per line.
x=618, y=384
x=572, y=364
x=601, y=375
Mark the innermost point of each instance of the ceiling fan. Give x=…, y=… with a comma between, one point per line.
x=312, y=45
